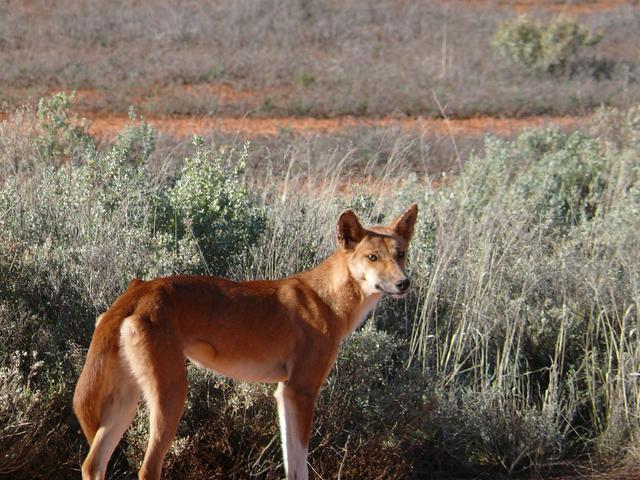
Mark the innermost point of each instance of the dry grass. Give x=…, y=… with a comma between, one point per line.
x=515, y=351
x=297, y=58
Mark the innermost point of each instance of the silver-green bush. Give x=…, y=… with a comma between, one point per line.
x=528, y=293
x=542, y=45
x=517, y=348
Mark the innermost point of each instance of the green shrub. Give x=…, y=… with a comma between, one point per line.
x=212, y=205
x=63, y=136
x=305, y=78
x=50, y=136
x=528, y=294
x=558, y=179
x=26, y=414
x=38, y=437
x=540, y=45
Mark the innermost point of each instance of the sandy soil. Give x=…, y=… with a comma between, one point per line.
x=568, y=7
x=107, y=126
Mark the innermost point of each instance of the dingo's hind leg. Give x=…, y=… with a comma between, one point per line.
x=119, y=409
x=295, y=412
x=157, y=363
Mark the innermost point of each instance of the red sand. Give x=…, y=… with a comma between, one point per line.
x=108, y=125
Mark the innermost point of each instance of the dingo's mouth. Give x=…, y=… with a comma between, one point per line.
x=397, y=294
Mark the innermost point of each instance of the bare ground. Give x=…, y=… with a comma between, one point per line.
x=568, y=7
x=108, y=125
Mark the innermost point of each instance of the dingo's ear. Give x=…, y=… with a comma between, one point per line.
x=403, y=225
x=350, y=232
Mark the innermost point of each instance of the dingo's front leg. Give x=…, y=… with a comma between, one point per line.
x=295, y=412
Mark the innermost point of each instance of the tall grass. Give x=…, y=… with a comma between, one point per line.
x=528, y=292
x=516, y=349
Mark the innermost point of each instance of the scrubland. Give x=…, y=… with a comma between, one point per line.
x=516, y=350
x=516, y=354
x=293, y=57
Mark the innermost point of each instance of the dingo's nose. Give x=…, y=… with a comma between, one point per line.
x=402, y=285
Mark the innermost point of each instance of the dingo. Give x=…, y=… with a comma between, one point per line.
x=286, y=331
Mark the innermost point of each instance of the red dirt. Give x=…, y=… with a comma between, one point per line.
x=108, y=126
x=568, y=7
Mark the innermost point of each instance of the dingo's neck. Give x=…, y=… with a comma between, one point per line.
x=333, y=283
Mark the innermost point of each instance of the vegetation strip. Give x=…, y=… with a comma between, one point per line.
x=516, y=350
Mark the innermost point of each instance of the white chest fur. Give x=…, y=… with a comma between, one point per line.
x=361, y=311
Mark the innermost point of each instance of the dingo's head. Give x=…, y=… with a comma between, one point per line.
x=377, y=255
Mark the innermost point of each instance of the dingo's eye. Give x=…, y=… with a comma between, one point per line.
x=400, y=254
x=372, y=257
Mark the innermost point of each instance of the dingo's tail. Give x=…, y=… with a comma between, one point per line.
x=92, y=389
